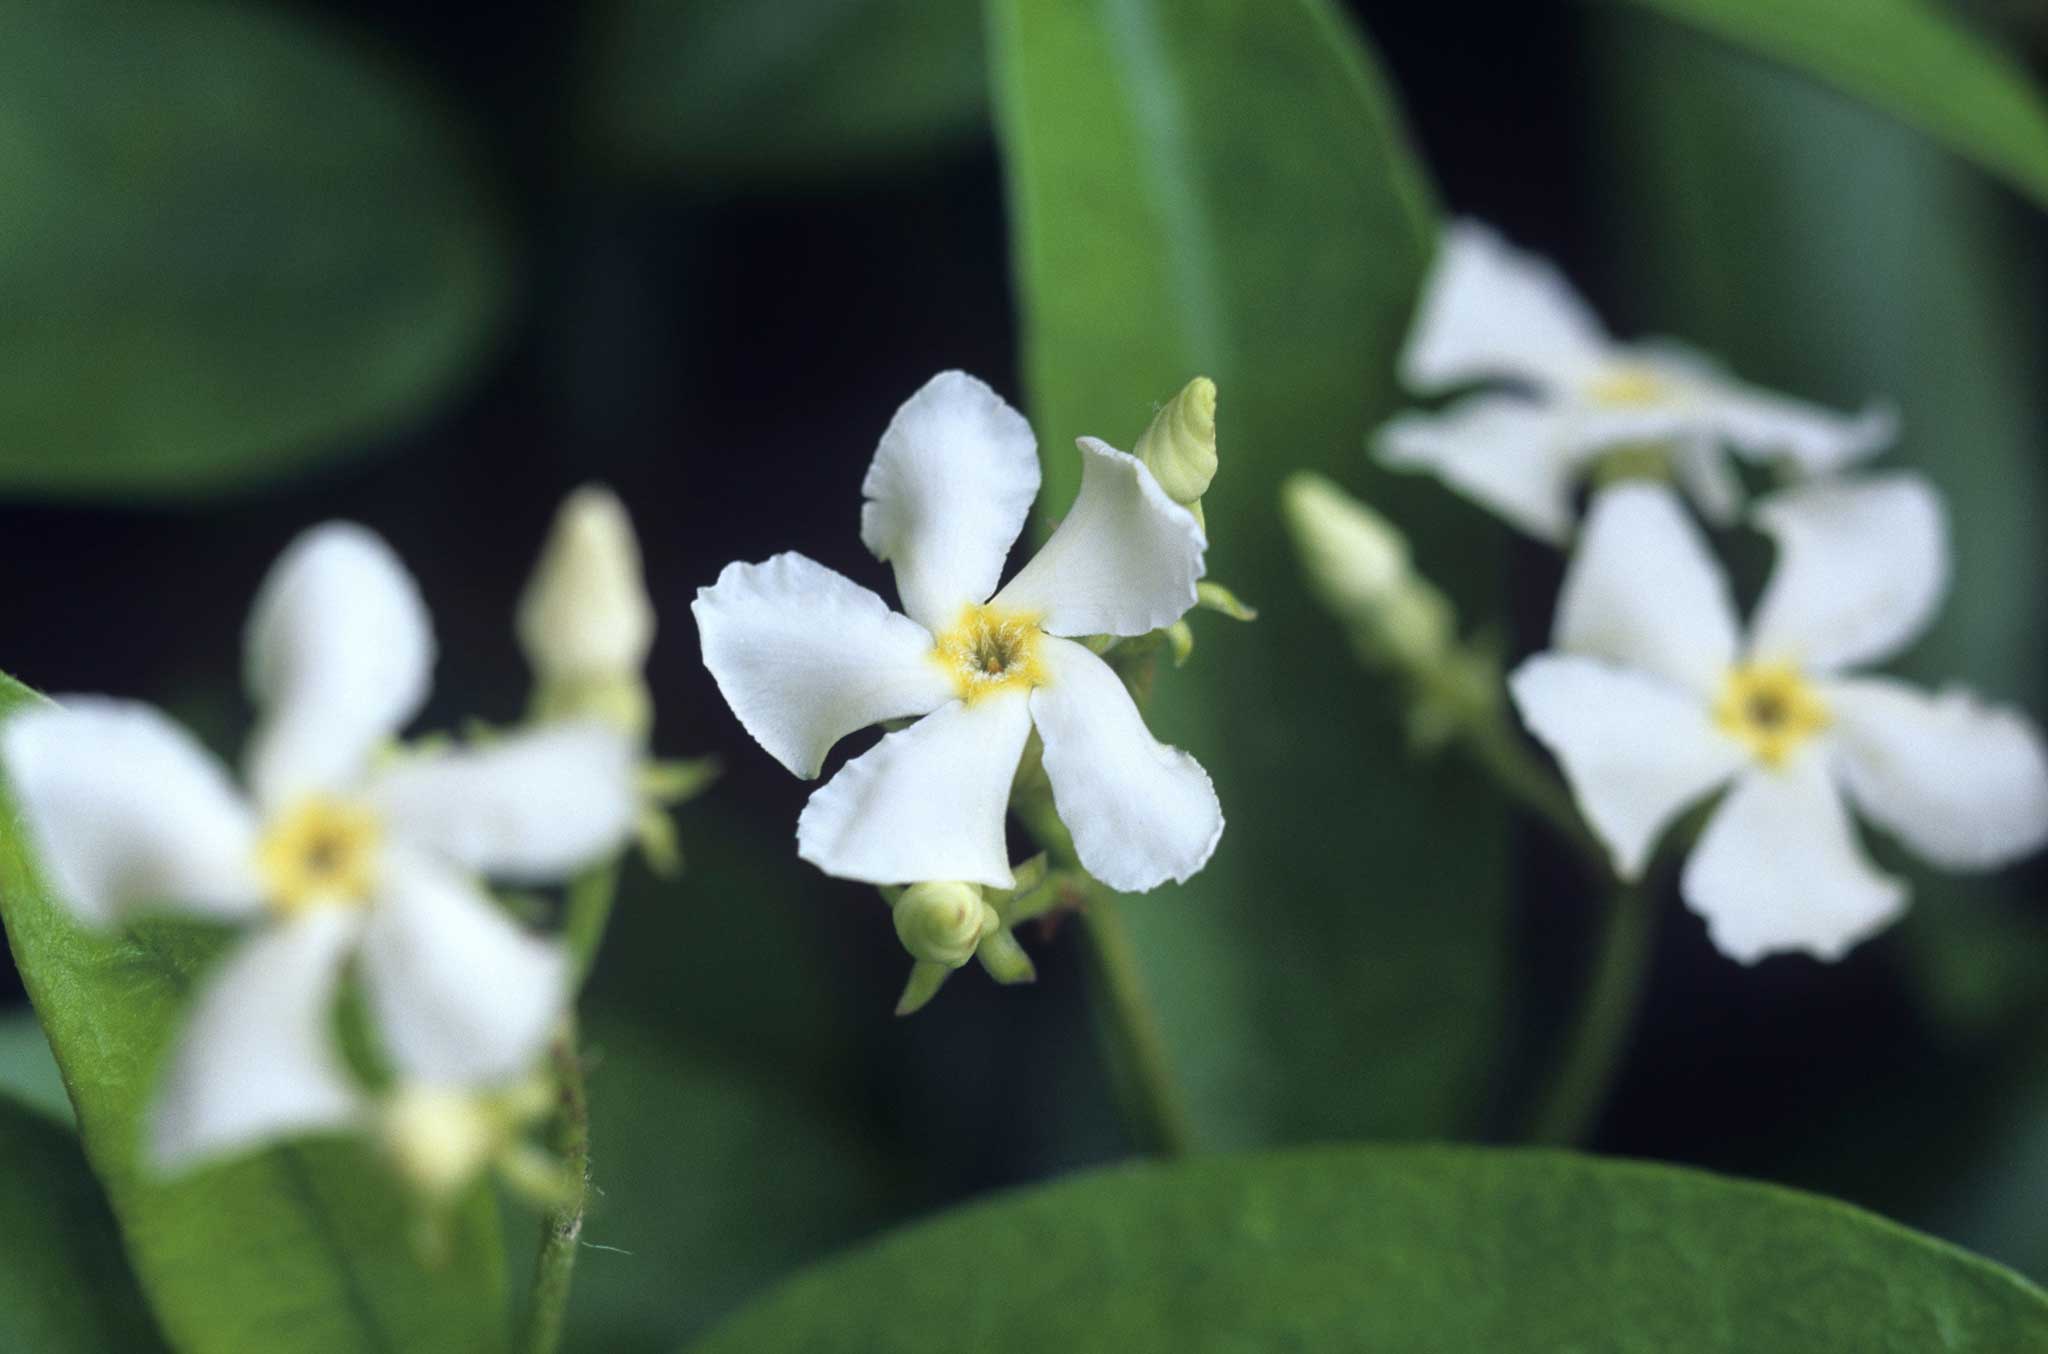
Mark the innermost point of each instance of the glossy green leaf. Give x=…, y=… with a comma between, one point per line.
x=231, y=245
x=1441, y=1249
x=736, y=89
x=64, y=1286
x=303, y=1249
x=1221, y=187
x=1908, y=57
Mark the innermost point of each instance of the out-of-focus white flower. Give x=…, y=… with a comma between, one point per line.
x=335, y=853
x=1564, y=393
x=805, y=657
x=1651, y=700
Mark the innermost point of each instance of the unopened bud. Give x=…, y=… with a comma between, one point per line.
x=440, y=1138
x=1359, y=563
x=585, y=621
x=943, y=921
x=1179, y=446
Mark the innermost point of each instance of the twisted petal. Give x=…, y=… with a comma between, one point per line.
x=1141, y=812
x=127, y=810
x=256, y=1059
x=947, y=493
x=1123, y=561
x=805, y=656
x=1963, y=783
x=1492, y=312
x=1636, y=749
x=927, y=802
x=1779, y=868
x=339, y=652
x=462, y=995
x=1644, y=592
x=1862, y=566
x=534, y=806
x=1503, y=452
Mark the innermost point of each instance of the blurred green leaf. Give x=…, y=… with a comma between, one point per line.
x=28, y=1070
x=230, y=247
x=302, y=1249
x=1908, y=57
x=1436, y=1249
x=742, y=90
x=1221, y=187
x=64, y=1286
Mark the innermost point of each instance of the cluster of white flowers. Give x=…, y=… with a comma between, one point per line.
x=1650, y=697
x=345, y=854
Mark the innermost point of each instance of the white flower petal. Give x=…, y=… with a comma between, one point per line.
x=462, y=994
x=1123, y=561
x=1963, y=783
x=947, y=493
x=1503, y=452
x=339, y=653
x=257, y=1058
x=1493, y=312
x=1643, y=591
x=1763, y=425
x=1779, y=868
x=1701, y=467
x=1637, y=750
x=1141, y=812
x=1862, y=566
x=127, y=810
x=534, y=806
x=805, y=656
x=925, y=803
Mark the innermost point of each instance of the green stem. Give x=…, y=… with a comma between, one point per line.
x=554, y=1268
x=1131, y=1037
x=588, y=913
x=1592, y=1054
x=1502, y=754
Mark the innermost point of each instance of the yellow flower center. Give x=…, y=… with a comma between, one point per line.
x=1771, y=709
x=320, y=851
x=1627, y=385
x=989, y=650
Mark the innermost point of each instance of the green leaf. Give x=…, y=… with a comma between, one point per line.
x=1906, y=57
x=303, y=1249
x=64, y=1286
x=1221, y=187
x=1441, y=1249
x=230, y=245
x=740, y=90
x=28, y=1070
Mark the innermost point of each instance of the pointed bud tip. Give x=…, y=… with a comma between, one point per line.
x=585, y=615
x=1179, y=445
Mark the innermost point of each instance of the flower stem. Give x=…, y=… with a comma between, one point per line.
x=1131, y=1037
x=588, y=913
x=1492, y=743
x=1593, y=1050
x=562, y=1228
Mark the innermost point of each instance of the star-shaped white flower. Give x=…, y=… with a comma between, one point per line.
x=805, y=657
x=334, y=854
x=1564, y=393
x=1651, y=700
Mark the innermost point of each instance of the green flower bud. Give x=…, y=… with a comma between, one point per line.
x=943, y=921
x=585, y=621
x=1359, y=563
x=1179, y=446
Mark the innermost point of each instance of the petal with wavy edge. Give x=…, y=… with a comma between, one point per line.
x=532, y=807
x=806, y=656
x=339, y=654
x=1862, y=567
x=462, y=994
x=1123, y=561
x=1636, y=749
x=1779, y=869
x=128, y=811
x=925, y=803
x=1141, y=812
x=1643, y=591
x=947, y=495
x=1490, y=311
x=257, y=1057
x=1963, y=783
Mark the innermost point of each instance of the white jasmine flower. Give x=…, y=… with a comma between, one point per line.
x=1565, y=393
x=805, y=657
x=1651, y=700
x=333, y=854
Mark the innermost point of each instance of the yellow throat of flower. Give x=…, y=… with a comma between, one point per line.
x=1771, y=709
x=988, y=651
x=320, y=851
x=1628, y=385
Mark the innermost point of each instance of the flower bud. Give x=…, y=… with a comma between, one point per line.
x=1359, y=563
x=585, y=615
x=942, y=921
x=1179, y=446
x=439, y=1138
